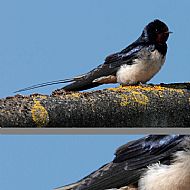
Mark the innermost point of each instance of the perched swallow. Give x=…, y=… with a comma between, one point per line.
x=137, y=63
x=154, y=162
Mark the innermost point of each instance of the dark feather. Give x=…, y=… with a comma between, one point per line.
x=155, y=35
x=131, y=162
x=110, y=67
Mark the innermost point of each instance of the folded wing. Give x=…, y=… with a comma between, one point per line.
x=131, y=162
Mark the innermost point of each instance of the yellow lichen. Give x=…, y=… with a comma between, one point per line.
x=40, y=96
x=145, y=88
x=74, y=95
x=140, y=98
x=156, y=90
x=179, y=91
x=124, y=100
x=39, y=114
x=134, y=97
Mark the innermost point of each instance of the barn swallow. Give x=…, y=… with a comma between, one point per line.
x=154, y=162
x=135, y=64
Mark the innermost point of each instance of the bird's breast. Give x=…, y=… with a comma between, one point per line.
x=142, y=69
x=168, y=177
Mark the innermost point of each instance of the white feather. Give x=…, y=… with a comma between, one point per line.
x=168, y=177
x=142, y=70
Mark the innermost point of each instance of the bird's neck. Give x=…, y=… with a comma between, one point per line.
x=162, y=48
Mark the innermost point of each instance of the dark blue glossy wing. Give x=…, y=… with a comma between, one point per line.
x=126, y=56
x=131, y=162
x=148, y=150
x=109, y=67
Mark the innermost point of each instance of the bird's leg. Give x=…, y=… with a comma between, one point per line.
x=126, y=85
x=145, y=84
x=136, y=84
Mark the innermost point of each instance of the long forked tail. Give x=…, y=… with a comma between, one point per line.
x=81, y=85
x=45, y=84
x=83, y=82
x=76, y=85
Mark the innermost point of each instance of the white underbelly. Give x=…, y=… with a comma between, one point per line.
x=142, y=70
x=168, y=177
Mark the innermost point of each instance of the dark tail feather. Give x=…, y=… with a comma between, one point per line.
x=81, y=85
x=81, y=82
x=68, y=187
x=45, y=84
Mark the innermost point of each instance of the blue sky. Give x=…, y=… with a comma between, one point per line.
x=47, y=161
x=44, y=40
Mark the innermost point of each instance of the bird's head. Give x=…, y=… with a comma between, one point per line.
x=156, y=32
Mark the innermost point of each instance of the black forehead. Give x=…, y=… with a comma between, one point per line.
x=157, y=24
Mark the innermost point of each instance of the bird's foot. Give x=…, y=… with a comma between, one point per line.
x=145, y=85
x=139, y=84
x=126, y=85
